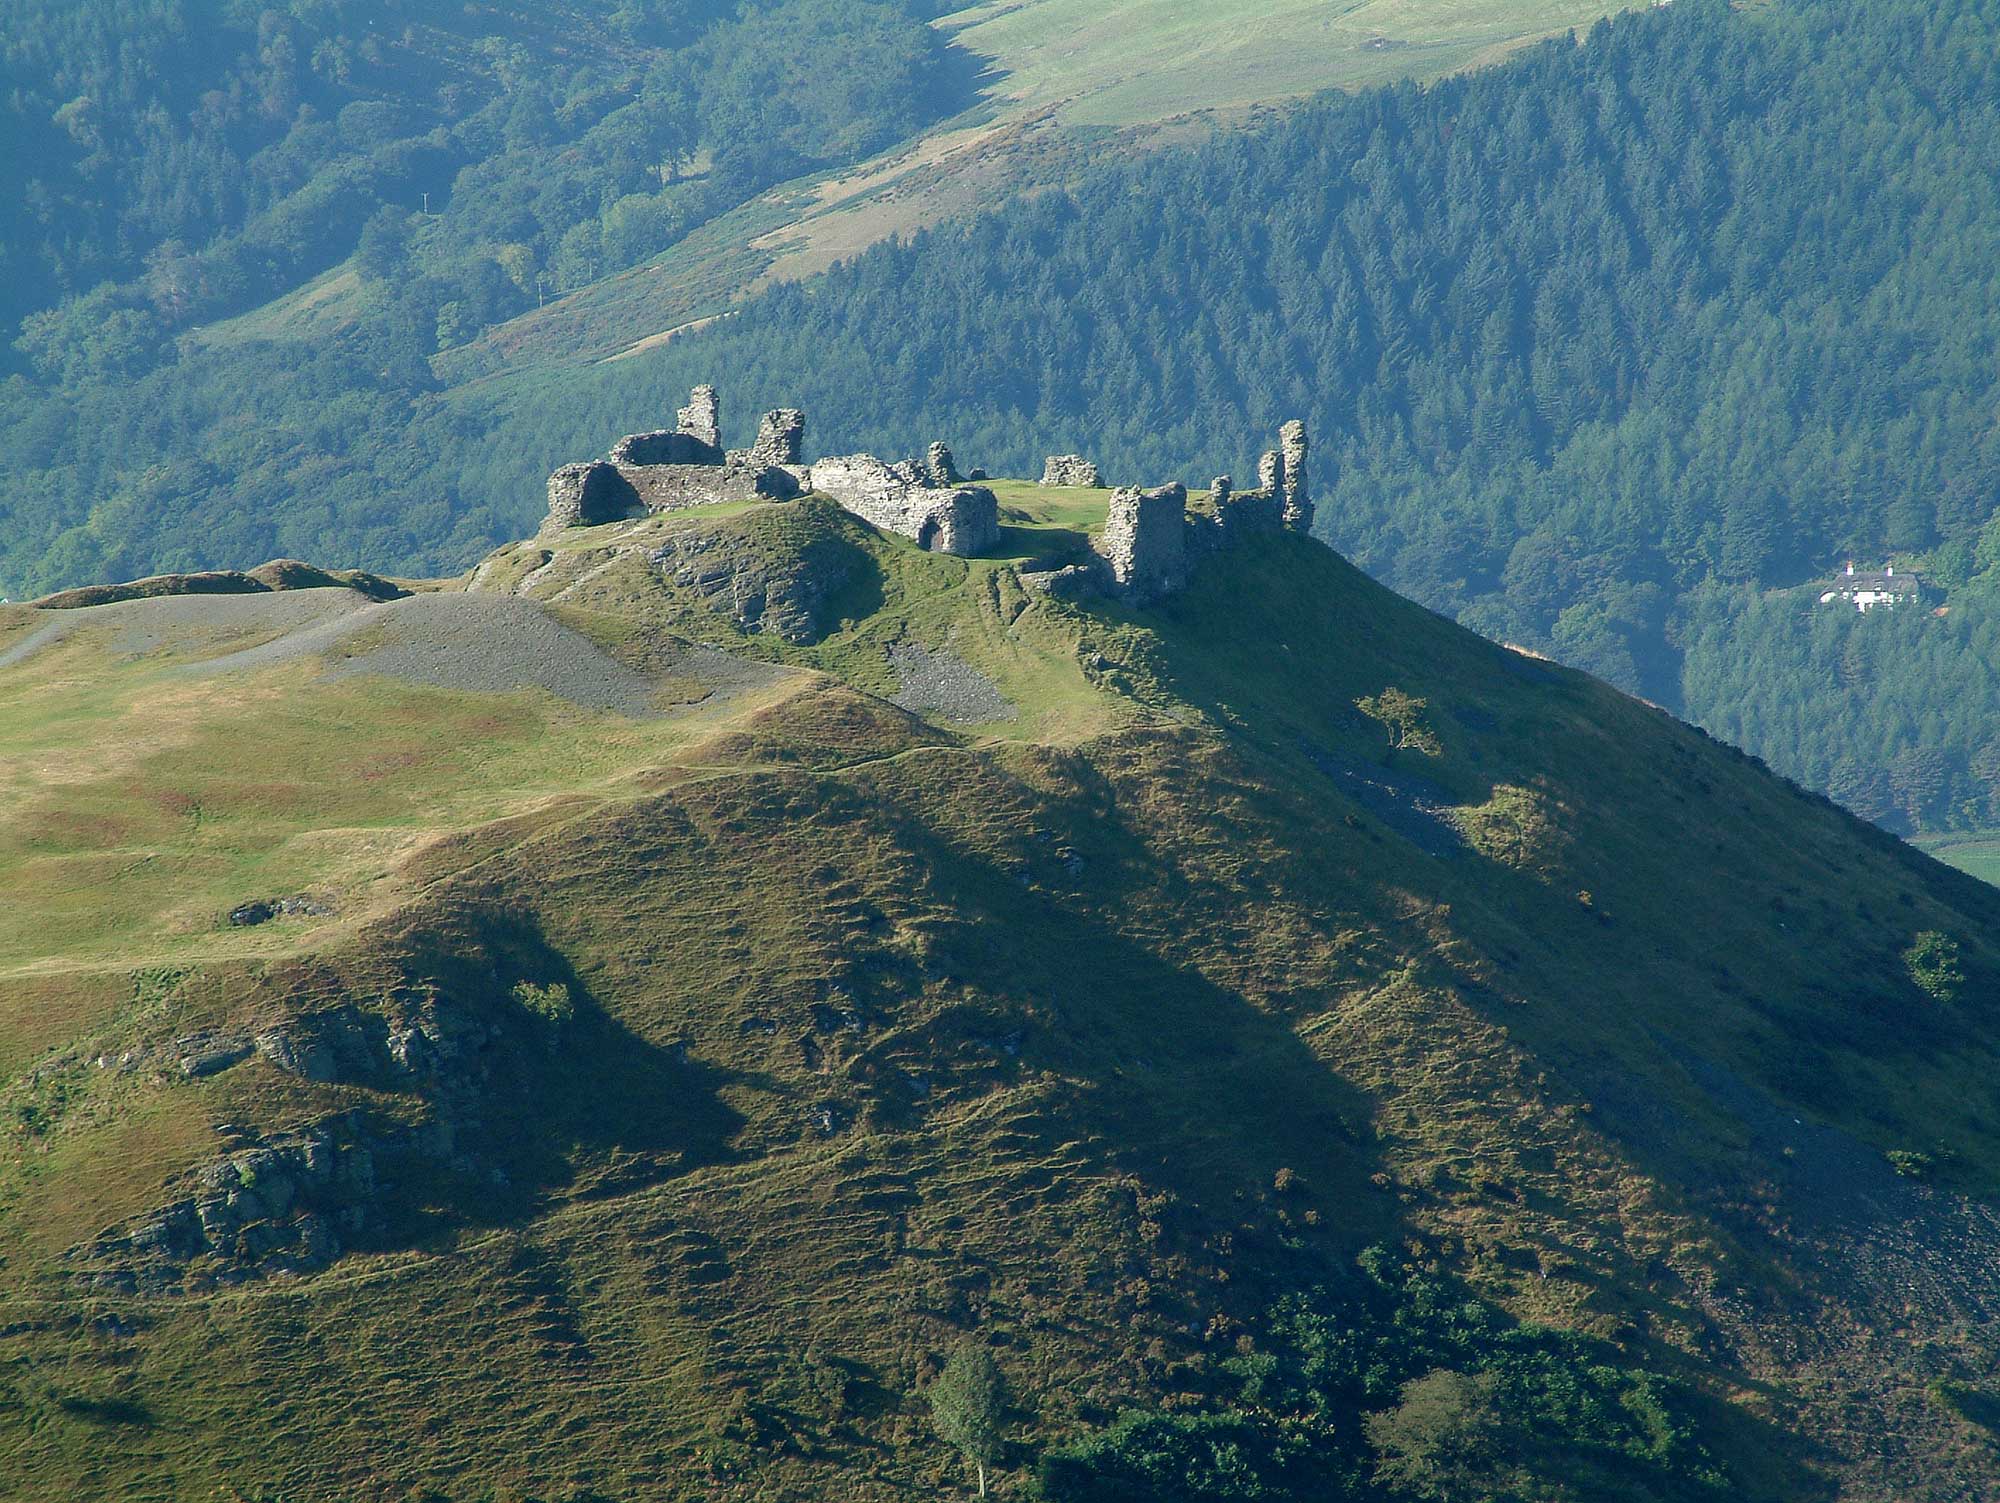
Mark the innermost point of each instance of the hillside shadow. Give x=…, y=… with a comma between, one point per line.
x=1042, y=547
x=537, y=1107
x=1212, y=1102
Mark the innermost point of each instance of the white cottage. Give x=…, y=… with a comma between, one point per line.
x=1868, y=589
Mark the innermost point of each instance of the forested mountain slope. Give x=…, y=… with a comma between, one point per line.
x=246, y=248
x=172, y=162
x=1317, y=1052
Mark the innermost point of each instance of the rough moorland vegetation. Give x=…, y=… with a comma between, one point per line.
x=564, y=1034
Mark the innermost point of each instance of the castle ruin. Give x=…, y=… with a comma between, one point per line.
x=1145, y=541
x=1147, y=549
x=664, y=471
x=1152, y=541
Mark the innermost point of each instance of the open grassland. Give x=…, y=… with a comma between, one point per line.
x=1134, y=62
x=1977, y=853
x=146, y=801
x=1090, y=1031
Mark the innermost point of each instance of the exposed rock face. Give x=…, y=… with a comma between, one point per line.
x=283, y=1205
x=583, y=495
x=1070, y=469
x=701, y=419
x=662, y=447
x=940, y=465
x=780, y=439
x=1145, y=541
x=895, y=498
x=1293, y=445
x=787, y=598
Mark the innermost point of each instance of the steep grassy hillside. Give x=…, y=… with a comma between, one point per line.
x=736, y=959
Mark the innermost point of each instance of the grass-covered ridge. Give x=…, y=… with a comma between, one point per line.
x=725, y=1061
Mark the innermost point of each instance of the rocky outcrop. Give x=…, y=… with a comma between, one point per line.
x=789, y=597
x=278, y=1206
x=587, y=494
x=897, y=498
x=278, y=574
x=1292, y=448
x=295, y=574
x=1070, y=469
x=1145, y=541
x=701, y=419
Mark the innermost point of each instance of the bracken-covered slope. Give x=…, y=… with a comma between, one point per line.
x=611, y=1026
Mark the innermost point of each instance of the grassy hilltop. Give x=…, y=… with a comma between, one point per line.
x=836, y=953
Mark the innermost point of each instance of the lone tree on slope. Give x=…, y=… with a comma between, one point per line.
x=968, y=1402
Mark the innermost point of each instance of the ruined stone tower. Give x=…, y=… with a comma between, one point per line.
x=1145, y=541
x=702, y=417
x=781, y=438
x=1271, y=471
x=939, y=464
x=1293, y=446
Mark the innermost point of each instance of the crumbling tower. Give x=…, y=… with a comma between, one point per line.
x=939, y=464
x=1144, y=541
x=1293, y=446
x=702, y=417
x=781, y=438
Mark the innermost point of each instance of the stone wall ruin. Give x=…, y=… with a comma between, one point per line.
x=585, y=495
x=1070, y=469
x=781, y=438
x=1292, y=449
x=940, y=466
x=701, y=419
x=672, y=470
x=900, y=498
x=1151, y=541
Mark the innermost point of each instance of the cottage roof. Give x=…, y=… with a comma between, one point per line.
x=1877, y=580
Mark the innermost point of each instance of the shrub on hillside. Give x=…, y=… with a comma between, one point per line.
x=551, y=1003
x=1932, y=961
